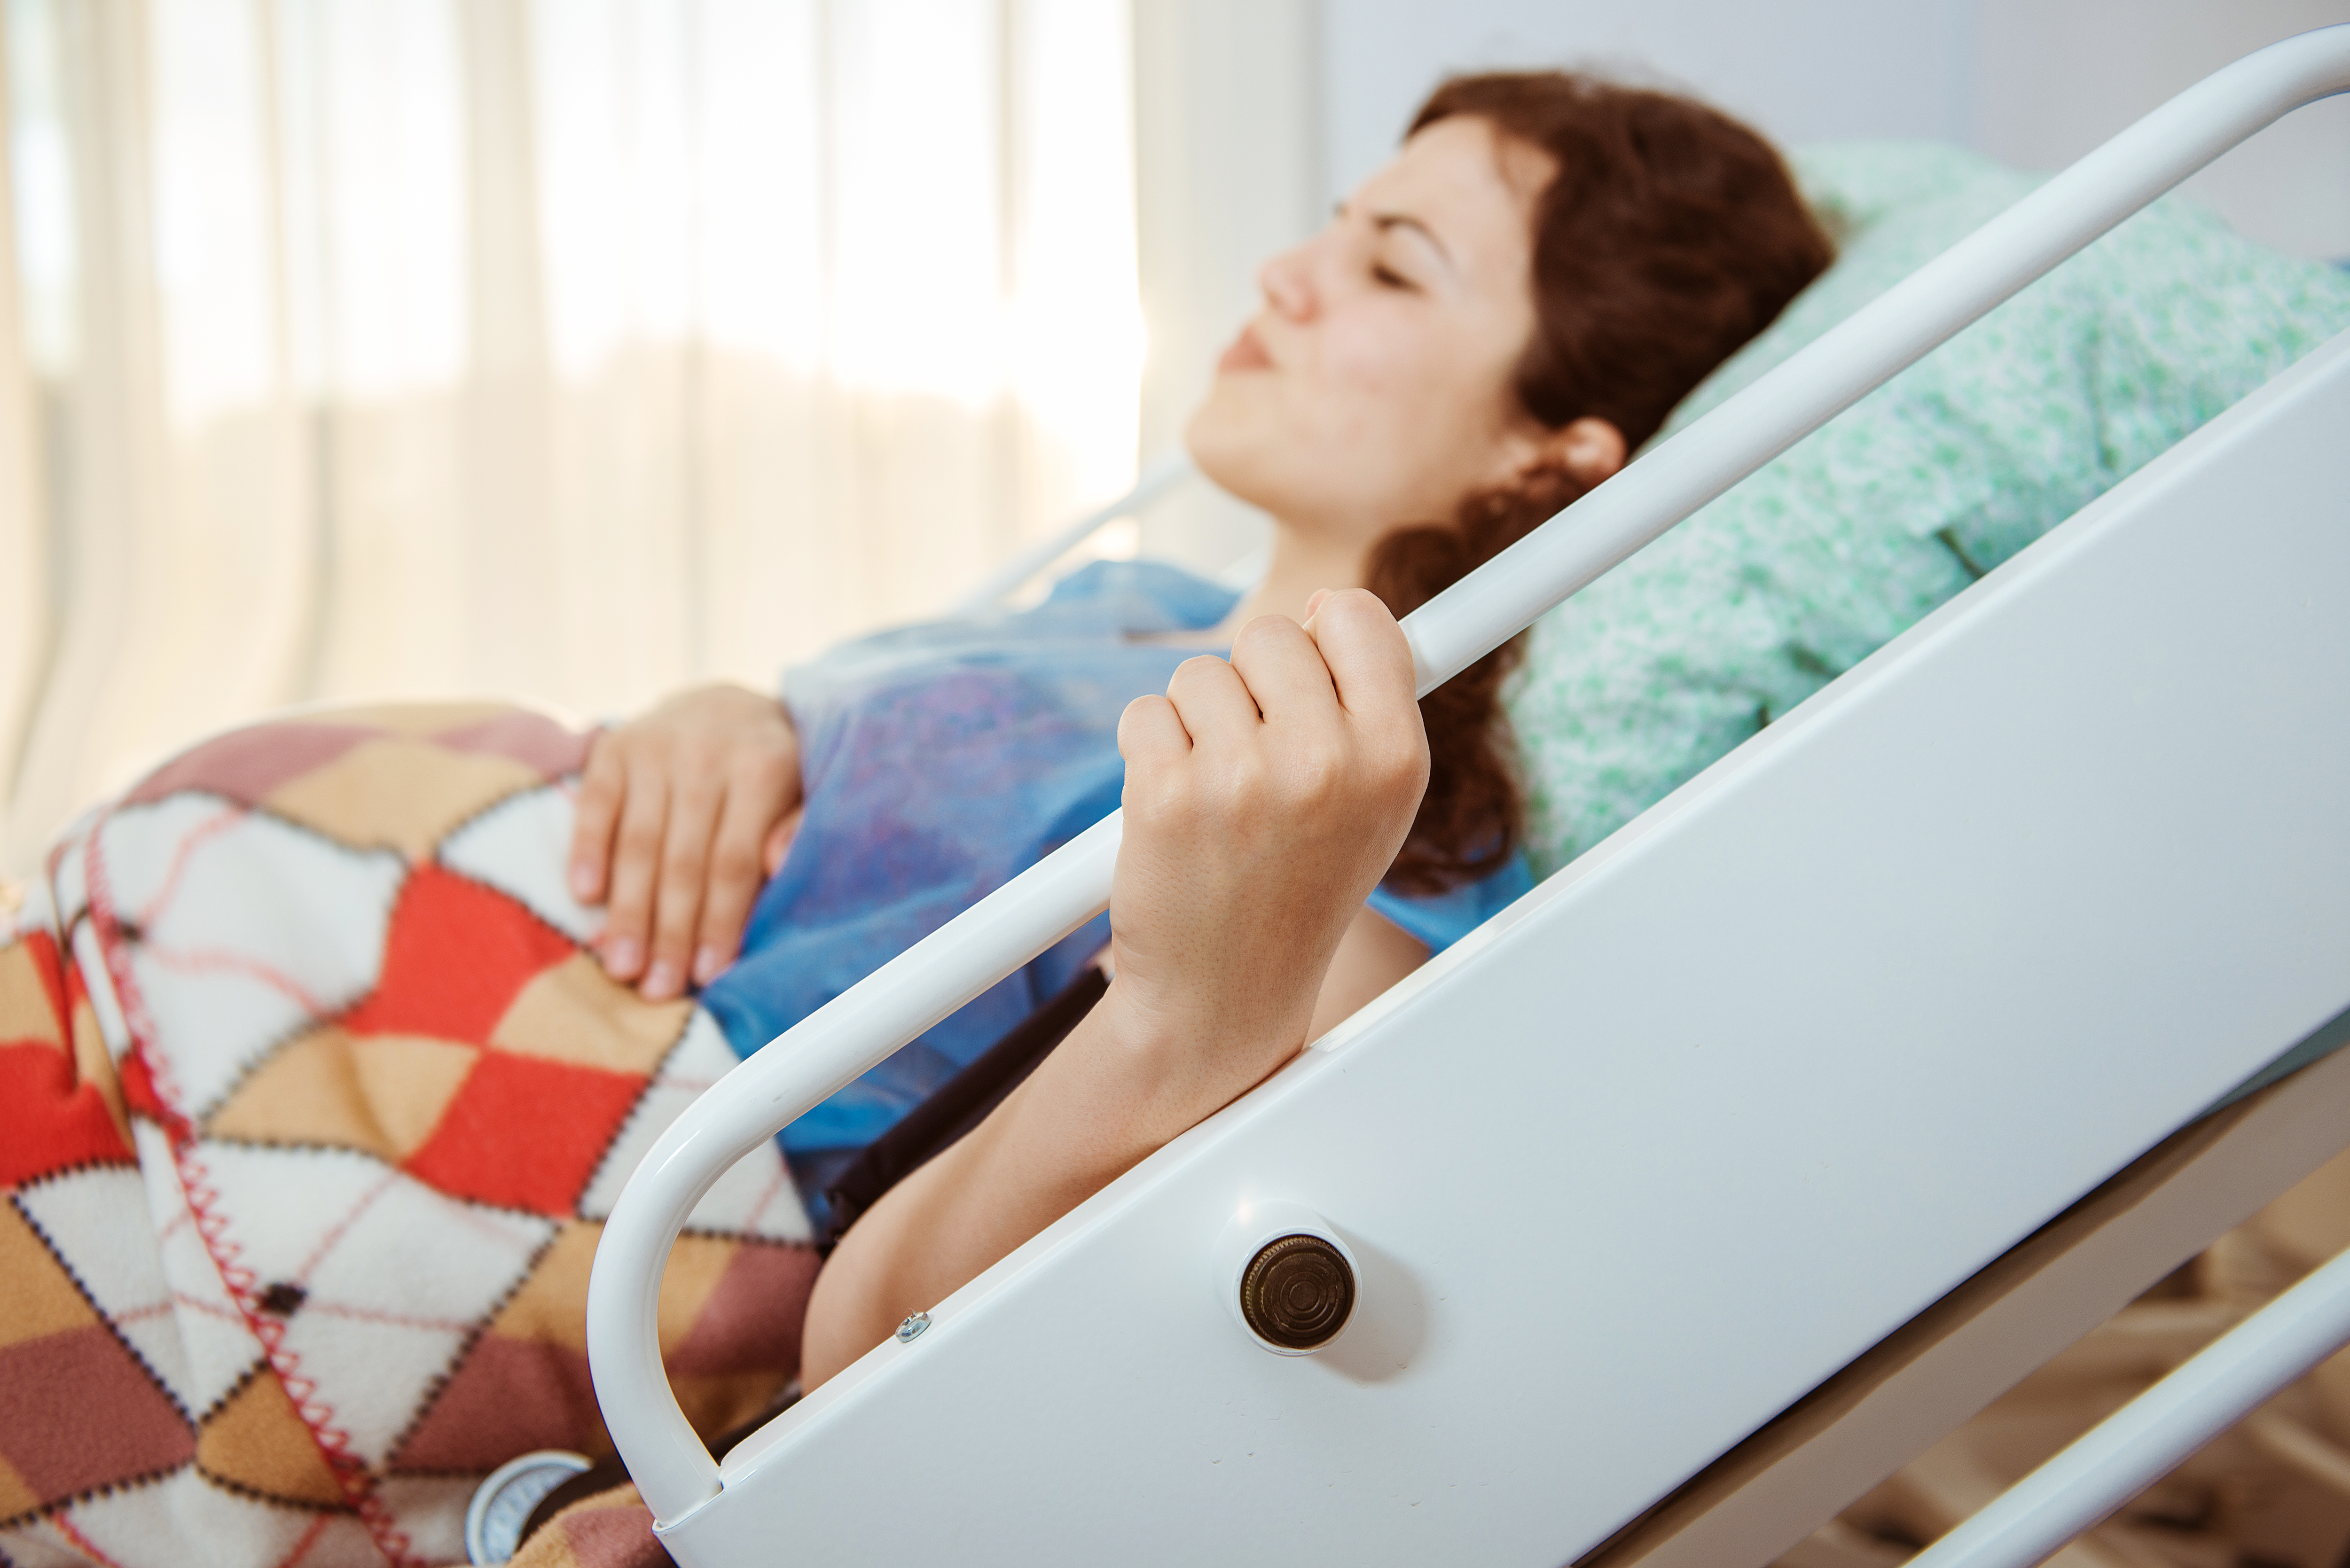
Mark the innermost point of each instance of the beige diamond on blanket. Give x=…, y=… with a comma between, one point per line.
x=25, y=1000
x=36, y=1298
x=384, y=1094
x=17, y=1494
x=576, y=1012
x=398, y=792
x=256, y=1440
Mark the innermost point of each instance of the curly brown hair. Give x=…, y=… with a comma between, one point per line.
x=1667, y=236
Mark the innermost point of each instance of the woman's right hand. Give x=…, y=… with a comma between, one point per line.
x=1265, y=796
x=682, y=815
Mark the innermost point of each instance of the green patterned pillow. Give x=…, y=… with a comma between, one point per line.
x=1758, y=601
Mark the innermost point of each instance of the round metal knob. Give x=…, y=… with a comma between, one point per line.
x=1298, y=1292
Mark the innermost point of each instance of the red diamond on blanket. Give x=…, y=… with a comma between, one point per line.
x=525, y=1133
x=60, y=1106
x=527, y=1127
x=454, y=958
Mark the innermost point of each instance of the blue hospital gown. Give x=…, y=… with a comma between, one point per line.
x=939, y=761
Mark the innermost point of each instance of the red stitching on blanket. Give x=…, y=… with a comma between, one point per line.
x=397, y=1319
x=229, y=817
x=83, y=1544
x=350, y=1472
x=341, y=1228
x=310, y=1539
x=210, y=1309
x=210, y=961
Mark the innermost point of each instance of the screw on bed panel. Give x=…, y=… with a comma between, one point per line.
x=912, y=1329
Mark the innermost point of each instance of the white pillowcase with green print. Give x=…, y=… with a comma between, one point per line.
x=1755, y=603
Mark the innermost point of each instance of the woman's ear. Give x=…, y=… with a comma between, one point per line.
x=1590, y=450
x=1587, y=450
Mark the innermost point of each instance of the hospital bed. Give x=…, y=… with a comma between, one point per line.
x=1746, y=1156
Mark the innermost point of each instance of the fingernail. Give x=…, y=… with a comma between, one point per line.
x=583, y=880
x=705, y=965
x=661, y=980
x=622, y=955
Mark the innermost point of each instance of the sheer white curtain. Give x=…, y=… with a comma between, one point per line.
x=569, y=350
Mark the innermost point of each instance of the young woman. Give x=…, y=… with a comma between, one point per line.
x=1485, y=330
x=338, y=1160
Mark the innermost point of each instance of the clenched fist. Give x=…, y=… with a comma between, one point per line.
x=1266, y=797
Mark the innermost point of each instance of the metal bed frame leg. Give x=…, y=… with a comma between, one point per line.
x=2141, y=1442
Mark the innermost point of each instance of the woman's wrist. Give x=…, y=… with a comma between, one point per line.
x=1165, y=1062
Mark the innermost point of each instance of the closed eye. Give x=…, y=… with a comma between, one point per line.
x=1388, y=277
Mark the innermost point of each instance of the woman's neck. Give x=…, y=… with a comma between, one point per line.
x=1300, y=563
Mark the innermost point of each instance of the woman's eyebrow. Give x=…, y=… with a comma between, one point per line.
x=1387, y=221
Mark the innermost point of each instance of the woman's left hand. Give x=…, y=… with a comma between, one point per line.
x=683, y=814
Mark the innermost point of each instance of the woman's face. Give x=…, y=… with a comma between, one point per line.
x=1375, y=386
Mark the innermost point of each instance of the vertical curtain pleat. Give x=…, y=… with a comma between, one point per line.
x=25, y=621
x=113, y=461
x=564, y=349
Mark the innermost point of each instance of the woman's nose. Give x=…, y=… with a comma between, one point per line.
x=1288, y=284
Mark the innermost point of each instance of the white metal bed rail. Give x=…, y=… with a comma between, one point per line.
x=2144, y=1441
x=801, y=1068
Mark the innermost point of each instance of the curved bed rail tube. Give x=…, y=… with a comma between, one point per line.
x=797, y=1070
x=2148, y=1438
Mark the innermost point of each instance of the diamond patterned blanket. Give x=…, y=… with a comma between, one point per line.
x=311, y=1103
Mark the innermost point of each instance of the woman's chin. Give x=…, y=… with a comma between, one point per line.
x=1216, y=435
x=1241, y=440
x=1233, y=467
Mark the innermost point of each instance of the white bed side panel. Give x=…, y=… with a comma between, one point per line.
x=1708, y=1113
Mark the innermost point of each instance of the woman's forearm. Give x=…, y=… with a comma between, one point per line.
x=1114, y=1091
x=1096, y=1107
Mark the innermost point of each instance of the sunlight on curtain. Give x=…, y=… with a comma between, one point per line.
x=571, y=350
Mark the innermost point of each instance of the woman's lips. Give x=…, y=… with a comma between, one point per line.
x=1245, y=354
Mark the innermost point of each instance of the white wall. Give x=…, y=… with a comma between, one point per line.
x=2057, y=77
x=1800, y=70
x=2035, y=83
